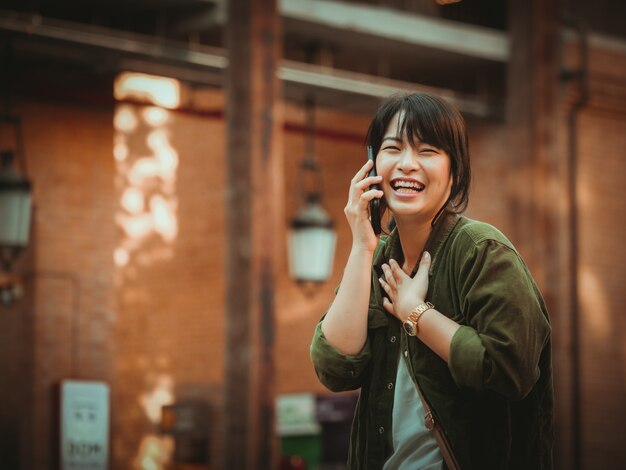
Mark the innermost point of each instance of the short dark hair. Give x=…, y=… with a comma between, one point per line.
x=435, y=122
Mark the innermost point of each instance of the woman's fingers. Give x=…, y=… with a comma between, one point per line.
x=388, y=302
x=356, y=209
x=386, y=287
x=389, y=277
x=360, y=205
x=367, y=182
x=367, y=196
x=397, y=271
x=360, y=193
x=421, y=277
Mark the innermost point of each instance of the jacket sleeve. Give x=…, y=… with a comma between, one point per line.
x=505, y=325
x=337, y=371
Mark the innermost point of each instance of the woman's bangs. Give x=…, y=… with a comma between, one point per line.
x=420, y=123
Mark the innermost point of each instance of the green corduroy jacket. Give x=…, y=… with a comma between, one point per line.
x=494, y=398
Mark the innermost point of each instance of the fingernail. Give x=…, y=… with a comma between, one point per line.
x=426, y=255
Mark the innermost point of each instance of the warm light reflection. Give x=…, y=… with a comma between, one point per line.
x=144, y=169
x=124, y=119
x=594, y=301
x=146, y=164
x=155, y=116
x=155, y=453
x=164, y=220
x=160, y=91
x=120, y=257
x=138, y=226
x=133, y=200
x=164, y=152
x=161, y=394
x=146, y=180
x=120, y=152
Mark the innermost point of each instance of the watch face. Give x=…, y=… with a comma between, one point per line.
x=409, y=327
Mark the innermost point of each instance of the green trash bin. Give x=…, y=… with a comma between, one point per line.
x=300, y=433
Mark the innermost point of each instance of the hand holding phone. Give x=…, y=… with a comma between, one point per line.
x=374, y=203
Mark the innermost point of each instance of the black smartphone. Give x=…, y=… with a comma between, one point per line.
x=374, y=203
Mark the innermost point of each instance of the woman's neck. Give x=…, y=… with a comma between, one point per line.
x=413, y=235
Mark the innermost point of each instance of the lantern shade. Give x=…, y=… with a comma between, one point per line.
x=312, y=245
x=15, y=209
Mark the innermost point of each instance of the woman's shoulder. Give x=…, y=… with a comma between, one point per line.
x=474, y=240
x=477, y=233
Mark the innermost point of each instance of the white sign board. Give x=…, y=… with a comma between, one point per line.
x=295, y=415
x=84, y=425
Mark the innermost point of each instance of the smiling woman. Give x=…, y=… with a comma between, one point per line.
x=416, y=177
x=430, y=126
x=439, y=323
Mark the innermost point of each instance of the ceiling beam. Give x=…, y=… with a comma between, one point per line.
x=401, y=26
x=204, y=60
x=404, y=27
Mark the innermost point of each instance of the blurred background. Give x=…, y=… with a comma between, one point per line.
x=170, y=166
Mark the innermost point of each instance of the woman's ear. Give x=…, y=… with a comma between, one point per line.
x=450, y=185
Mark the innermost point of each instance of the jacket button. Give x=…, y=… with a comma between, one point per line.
x=406, y=353
x=381, y=430
x=392, y=339
x=389, y=386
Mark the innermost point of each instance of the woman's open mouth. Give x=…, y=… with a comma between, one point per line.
x=407, y=186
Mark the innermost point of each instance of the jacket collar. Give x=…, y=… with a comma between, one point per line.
x=439, y=234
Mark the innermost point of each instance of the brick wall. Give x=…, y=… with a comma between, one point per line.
x=63, y=328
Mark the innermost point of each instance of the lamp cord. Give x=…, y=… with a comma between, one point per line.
x=8, y=85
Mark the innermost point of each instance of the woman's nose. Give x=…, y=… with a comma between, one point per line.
x=408, y=160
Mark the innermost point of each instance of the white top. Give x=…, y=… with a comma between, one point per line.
x=414, y=447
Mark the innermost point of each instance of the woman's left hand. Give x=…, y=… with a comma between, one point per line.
x=405, y=293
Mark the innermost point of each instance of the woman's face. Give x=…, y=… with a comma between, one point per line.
x=416, y=180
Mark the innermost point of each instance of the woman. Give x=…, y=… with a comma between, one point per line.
x=440, y=324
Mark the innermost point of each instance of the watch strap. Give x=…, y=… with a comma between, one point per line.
x=416, y=314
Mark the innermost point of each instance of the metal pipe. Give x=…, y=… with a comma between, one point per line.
x=581, y=75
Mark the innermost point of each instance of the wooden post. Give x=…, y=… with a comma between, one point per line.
x=539, y=195
x=254, y=167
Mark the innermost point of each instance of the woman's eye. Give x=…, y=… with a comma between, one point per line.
x=392, y=147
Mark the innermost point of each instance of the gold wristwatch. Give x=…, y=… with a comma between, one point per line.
x=410, y=325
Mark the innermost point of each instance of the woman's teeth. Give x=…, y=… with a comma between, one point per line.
x=407, y=187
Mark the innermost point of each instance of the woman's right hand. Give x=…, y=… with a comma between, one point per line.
x=357, y=208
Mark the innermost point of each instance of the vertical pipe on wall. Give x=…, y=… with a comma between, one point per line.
x=582, y=77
